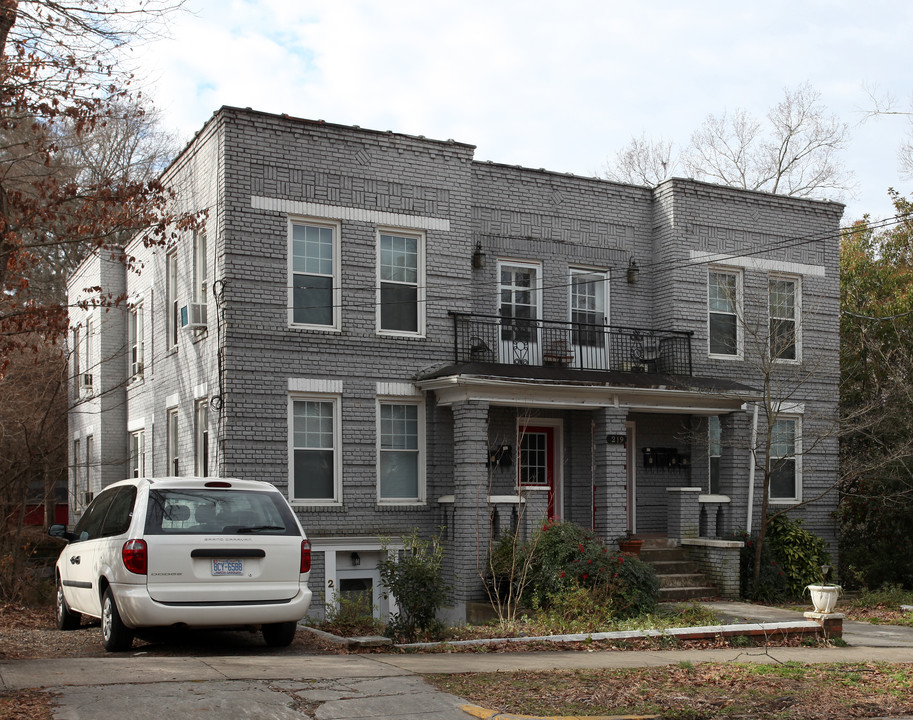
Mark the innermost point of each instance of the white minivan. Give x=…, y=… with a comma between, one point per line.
x=185, y=552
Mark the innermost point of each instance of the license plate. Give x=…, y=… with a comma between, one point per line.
x=227, y=567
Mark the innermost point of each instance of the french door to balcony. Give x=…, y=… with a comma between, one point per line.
x=589, y=313
x=520, y=310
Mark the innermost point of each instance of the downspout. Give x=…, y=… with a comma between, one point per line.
x=751, y=470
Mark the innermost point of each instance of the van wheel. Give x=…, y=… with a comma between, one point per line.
x=117, y=636
x=280, y=634
x=66, y=618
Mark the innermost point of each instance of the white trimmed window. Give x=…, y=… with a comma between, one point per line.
x=724, y=302
x=90, y=466
x=172, y=317
x=400, y=271
x=172, y=443
x=714, y=452
x=783, y=303
x=314, y=259
x=200, y=269
x=138, y=454
x=401, y=450
x=316, y=469
x=135, y=340
x=785, y=460
x=201, y=439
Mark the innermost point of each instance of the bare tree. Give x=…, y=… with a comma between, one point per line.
x=794, y=151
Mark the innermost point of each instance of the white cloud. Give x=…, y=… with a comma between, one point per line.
x=535, y=83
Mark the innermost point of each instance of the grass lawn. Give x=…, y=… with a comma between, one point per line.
x=705, y=691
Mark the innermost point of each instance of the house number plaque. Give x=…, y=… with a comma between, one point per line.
x=616, y=439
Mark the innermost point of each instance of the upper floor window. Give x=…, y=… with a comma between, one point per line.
x=173, y=320
x=135, y=339
x=315, y=462
x=785, y=460
x=400, y=274
x=315, y=274
x=400, y=450
x=200, y=270
x=724, y=304
x=783, y=301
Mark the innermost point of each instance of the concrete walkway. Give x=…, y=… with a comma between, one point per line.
x=333, y=687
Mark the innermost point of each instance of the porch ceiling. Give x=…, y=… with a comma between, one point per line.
x=533, y=386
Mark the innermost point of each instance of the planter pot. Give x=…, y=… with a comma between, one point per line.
x=824, y=597
x=630, y=546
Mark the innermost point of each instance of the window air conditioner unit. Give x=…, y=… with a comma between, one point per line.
x=85, y=381
x=193, y=316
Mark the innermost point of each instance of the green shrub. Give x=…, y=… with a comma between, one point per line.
x=350, y=617
x=566, y=556
x=413, y=576
x=790, y=559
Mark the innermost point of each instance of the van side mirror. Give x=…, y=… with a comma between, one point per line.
x=60, y=531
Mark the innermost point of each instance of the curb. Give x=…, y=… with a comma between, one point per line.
x=484, y=714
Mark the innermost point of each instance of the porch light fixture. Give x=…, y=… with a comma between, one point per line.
x=633, y=271
x=478, y=257
x=356, y=560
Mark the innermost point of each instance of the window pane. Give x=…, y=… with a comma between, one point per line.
x=313, y=424
x=313, y=300
x=399, y=307
x=783, y=478
x=723, y=335
x=783, y=339
x=399, y=427
x=313, y=475
x=782, y=299
x=312, y=250
x=722, y=293
x=399, y=474
x=399, y=258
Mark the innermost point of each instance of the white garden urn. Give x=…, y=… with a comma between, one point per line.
x=824, y=597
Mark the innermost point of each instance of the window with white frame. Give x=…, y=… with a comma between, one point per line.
x=135, y=339
x=400, y=274
x=172, y=450
x=714, y=452
x=138, y=454
x=315, y=462
x=172, y=320
x=785, y=460
x=783, y=301
x=200, y=269
x=724, y=303
x=77, y=469
x=201, y=438
x=315, y=274
x=90, y=467
x=400, y=451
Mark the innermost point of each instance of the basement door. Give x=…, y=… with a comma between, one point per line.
x=538, y=464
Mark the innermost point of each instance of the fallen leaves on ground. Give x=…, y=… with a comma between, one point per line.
x=700, y=692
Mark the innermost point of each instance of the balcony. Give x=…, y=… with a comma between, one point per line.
x=545, y=343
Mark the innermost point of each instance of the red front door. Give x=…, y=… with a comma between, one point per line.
x=536, y=467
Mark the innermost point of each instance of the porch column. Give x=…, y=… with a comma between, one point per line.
x=468, y=549
x=610, y=495
x=735, y=463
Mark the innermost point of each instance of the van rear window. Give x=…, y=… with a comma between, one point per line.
x=208, y=511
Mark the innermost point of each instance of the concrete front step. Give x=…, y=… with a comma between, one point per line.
x=682, y=580
x=674, y=567
x=683, y=594
x=655, y=555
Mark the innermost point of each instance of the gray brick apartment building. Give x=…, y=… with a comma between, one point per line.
x=400, y=336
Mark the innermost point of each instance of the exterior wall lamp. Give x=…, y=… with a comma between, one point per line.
x=356, y=559
x=633, y=271
x=478, y=257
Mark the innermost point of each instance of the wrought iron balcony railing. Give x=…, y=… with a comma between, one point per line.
x=524, y=341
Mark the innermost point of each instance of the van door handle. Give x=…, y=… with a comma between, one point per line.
x=74, y=560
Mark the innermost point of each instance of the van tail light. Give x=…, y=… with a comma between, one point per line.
x=305, y=556
x=136, y=559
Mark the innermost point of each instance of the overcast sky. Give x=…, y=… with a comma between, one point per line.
x=558, y=85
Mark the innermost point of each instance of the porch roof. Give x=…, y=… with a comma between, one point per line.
x=534, y=386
